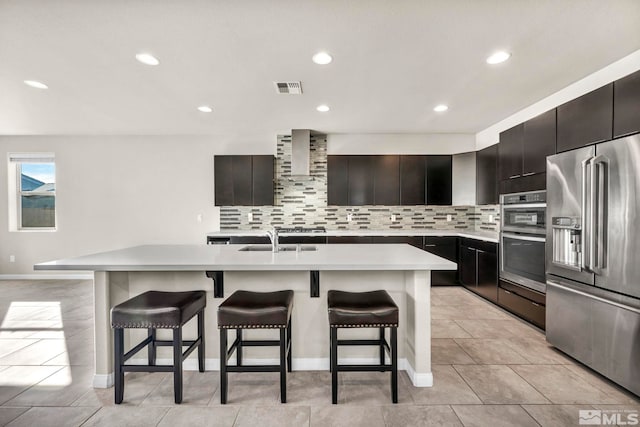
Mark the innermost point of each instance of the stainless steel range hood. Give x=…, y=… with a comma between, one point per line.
x=300, y=152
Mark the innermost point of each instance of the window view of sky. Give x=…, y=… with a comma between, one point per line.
x=44, y=172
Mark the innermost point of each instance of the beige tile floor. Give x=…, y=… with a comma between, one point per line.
x=490, y=369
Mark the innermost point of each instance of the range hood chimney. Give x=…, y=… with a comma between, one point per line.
x=300, y=152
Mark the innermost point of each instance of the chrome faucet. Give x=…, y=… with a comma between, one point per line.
x=273, y=236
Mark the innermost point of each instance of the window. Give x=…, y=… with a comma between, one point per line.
x=33, y=203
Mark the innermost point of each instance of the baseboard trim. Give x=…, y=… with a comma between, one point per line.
x=102, y=380
x=300, y=364
x=70, y=276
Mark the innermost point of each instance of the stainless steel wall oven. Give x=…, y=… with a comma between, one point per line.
x=522, y=238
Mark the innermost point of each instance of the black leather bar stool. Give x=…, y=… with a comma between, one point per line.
x=157, y=310
x=255, y=310
x=374, y=309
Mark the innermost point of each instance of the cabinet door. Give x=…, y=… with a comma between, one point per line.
x=445, y=247
x=626, y=105
x=412, y=180
x=411, y=240
x=586, y=120
x=262, y=180
x=386, y=180
x=538, y=143
x=242, y=180
x=487, y=176
x=360, y=181
x=510, y=152
x=488, y=275
x=337, y=180
x=438, y=176
x=467, y=267
x=223, y=172
x=349, y=239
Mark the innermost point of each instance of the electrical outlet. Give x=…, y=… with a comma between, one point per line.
x=349, y=217
x=449, y=218
x=12, y=258
x=199, y=218
x=393, y=217
x=250, y=216
x=490, y=218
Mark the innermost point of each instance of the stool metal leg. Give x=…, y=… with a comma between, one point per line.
x=201, y=336
x=151, y=348
x=283, y=365
x=239, y=347
x=289, y=347
x=118, y=373
x=334, y=365
x=381, y=346
x=394, y=365
x=177, y=364
x=223, y=366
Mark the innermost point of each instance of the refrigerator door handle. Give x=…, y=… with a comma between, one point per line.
x=599, y=238
x=583, y=218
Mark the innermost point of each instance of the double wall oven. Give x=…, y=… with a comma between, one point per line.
x=522, y=239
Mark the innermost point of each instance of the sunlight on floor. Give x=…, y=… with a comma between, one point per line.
x=31, y=334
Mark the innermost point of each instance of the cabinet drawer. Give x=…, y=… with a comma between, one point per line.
x=303, y=239
x=527, y=309
x=479, y=244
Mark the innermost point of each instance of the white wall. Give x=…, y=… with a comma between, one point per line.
x=114, y=192
x=463, y=188
x=625, y=66
x=400, y=143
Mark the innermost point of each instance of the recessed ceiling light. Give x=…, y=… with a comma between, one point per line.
x=498, y=57
x=440, y=108
x=323, y=108
x=205, y=109
x=147, y=58
x=36, y=84
x=322, y=58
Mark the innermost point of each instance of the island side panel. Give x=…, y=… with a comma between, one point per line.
x=418, y=331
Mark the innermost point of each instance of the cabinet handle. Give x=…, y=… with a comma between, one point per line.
x=535, y=303
x=507, y=292
x=429, y=246
x=514, y=176
x=528, y=174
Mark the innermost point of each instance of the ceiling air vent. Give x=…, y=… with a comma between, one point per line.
x=289, y=88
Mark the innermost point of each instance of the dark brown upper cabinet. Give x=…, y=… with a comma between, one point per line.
x=539, y=141
x=389, y=180
x=510, y=152
x=338, y=180
x=439, y=180
x=243, y=180
x=360, y=180
x=487, y=176
x=386, y=180
x=626, y=105
x=523, y=151
x=586, y=120
x=412, y=180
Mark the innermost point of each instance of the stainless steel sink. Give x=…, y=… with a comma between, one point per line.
x=283, y=248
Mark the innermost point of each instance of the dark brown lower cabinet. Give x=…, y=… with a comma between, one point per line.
x=305, y=240
x=349, y=239
x=411, y=240
x=447, y=248
x=523, y=302
x=478, y=266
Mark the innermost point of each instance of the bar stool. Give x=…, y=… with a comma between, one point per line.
x=374, y=309
x=157, y=310
x=255, y=310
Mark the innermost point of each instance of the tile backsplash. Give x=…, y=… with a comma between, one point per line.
x=303, y=202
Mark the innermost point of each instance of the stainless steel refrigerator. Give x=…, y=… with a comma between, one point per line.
x=593, y=257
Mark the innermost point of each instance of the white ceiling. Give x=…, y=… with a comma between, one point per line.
x=393, y=62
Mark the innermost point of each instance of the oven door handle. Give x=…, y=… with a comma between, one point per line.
x=521, y=237
x=524, y=205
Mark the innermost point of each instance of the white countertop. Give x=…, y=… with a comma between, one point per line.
x=229, y=258
x=478, y=235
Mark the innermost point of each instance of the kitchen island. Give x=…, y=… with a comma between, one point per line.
x=310, y=271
